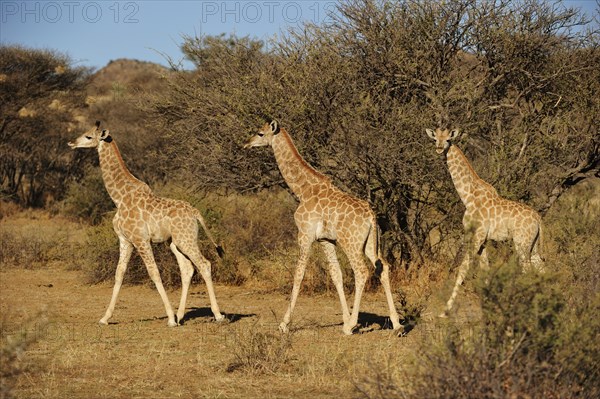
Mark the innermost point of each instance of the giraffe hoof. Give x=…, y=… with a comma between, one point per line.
x=349, y=330
x=172, y=323
x=221, y=319
x=399, y=328
x=103, y=322
x=443, y=315
x=396, y=325
x=284, y=328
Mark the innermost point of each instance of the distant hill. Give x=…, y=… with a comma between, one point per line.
x=115, y=96
x=126, y=75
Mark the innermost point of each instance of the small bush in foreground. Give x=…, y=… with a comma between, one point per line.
x=259, y=352
x=13, y=349
x=533, y=342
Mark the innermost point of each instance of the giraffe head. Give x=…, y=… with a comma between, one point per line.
x=91, y=138
x=264, y=136
x=442, y=138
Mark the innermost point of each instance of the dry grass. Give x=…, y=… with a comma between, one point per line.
x=259, y=352
x=32, y=239
x=140, y=356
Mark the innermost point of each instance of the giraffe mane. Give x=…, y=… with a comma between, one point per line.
x=297, y=155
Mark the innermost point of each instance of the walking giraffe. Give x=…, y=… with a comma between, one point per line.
x=488, y=216
x=142, y=218
x=330, y=216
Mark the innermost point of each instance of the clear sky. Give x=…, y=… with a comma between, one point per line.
x=94, y=32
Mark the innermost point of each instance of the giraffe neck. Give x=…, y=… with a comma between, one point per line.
x=297, y=173
x=117, y=178
x=463, y=175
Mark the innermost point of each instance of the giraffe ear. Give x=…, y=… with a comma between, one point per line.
x=274, y=127
x=430, y=133
x=105, y=136
x=97, y=124
x=454, y=134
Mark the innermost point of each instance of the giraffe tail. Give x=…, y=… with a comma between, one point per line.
x=540, y=242
x=200, y=219
x=373, y=241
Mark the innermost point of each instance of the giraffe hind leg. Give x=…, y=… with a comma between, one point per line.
x=361, y=273
x=336, y=276
x=537, y=261
x=360, y=278
x=382, y=270
x=385, y=282
x=187, y=271
x=204, y=267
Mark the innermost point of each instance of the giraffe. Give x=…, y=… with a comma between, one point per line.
x=142, y=218
x=488, y=216
x=329, y=216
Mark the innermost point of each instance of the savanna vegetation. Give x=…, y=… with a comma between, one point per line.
x=519, y=79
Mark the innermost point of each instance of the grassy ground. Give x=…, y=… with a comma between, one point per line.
x=139, y=356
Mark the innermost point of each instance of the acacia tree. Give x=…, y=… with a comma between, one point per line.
x=38, y=91
x=357, y=94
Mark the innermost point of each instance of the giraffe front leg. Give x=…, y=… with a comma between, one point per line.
x=305, y=243
x=462, y=272
x=485, y=264
x=125, y=250
x=145, y=251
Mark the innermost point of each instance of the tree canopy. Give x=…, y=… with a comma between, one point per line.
x=519, y=79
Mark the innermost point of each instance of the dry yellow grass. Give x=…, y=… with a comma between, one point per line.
x=139, y=356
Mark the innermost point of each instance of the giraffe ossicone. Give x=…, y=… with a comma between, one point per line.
x=143, y=218
x=487, y=216
x=330, y=216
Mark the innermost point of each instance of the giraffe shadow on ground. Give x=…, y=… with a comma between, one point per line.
x=371, y=322
x=197, y=313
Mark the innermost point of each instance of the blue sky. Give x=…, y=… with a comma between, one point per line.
x=94, y=32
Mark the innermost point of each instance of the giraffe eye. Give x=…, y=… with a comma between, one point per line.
x=88, y=137
x=260, y=134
